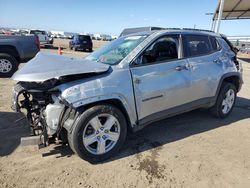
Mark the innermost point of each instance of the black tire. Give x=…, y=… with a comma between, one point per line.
x=14, y=65
x=75, y=137
x=90, y=50
x=216, y=110
x=75, y=49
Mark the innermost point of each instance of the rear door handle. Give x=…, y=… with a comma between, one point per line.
x=181, y=67
x=137, y=80
x=216, y=61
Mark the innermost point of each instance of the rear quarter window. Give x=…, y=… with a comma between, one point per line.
x=196, y=45
x=214, y=44
x=224, y=44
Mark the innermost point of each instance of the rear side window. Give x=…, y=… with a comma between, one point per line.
x=214, y=44
x=196, y=45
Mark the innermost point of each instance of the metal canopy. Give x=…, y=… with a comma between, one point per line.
x=233, y=9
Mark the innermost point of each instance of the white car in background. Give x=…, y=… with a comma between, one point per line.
x=97, y=37
x=105, y=37
x=42, y=35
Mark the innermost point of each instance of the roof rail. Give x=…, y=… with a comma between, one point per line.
x=191, y=29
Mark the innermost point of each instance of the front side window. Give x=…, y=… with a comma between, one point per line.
x=196, y=45
x=116, y=50
x=163, y=49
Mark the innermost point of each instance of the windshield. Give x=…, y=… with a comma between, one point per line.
x=117, y=50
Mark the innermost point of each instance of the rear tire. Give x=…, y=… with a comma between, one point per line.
x=109, y=135
x=8, y=65
x=225, y=100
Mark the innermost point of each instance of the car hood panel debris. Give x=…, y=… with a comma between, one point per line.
x=48, y=66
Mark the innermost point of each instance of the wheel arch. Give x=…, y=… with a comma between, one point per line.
x=112, y=101
x=11, y=50
x=232, y=77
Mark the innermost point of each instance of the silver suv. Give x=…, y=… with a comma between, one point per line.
x=131, y=82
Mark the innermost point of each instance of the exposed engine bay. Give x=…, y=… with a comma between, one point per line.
x=45, y=111
x=36, y=93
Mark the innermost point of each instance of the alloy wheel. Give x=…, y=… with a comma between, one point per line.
x=101, y=134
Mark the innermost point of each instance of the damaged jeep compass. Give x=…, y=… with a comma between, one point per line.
x=131, y=82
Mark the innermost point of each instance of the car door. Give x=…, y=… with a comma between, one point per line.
x=203, y=54
x=161, y=78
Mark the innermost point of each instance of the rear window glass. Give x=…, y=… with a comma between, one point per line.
x=214, y=44
x=196, y=45
x=37, y=32
x=84, y=37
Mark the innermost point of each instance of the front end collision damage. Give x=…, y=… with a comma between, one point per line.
x=52, y=106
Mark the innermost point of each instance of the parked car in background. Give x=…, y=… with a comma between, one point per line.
x=129, y=31
x=114, y=37
x=127, y=84
x=97, y=36
x=105, y=37
x=51, y=37
x=42, y=35
x=15, y=50
x=81, y=42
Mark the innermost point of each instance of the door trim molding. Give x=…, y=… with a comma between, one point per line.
x=205, y=102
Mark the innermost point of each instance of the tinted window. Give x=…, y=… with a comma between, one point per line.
x=214, y=44
x=195, y=45
x=164, y=49
x=224, y=44
x=37, y=32
x=84, y=37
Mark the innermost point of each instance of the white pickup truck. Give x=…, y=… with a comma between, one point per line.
x=42, y=35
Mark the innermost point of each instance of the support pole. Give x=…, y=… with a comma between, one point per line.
x=220, y=15
x=213, y=25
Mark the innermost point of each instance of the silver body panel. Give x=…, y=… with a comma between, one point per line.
x=160, y=85
x=47, y=66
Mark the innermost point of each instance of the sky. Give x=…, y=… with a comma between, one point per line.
x=112, y=16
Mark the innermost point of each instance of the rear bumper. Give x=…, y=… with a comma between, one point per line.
x=83, y=46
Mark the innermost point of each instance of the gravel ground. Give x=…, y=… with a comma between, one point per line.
x=189, y=150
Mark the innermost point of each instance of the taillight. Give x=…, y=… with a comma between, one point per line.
x=37, y=42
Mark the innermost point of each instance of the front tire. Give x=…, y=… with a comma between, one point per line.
x=8, y=65
x=225, y=100
x=98, y=133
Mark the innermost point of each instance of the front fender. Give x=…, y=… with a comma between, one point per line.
x=117, y=85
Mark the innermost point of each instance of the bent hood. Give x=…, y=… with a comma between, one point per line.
x=47, y=66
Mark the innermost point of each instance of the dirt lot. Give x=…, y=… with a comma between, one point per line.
x=190, y=150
